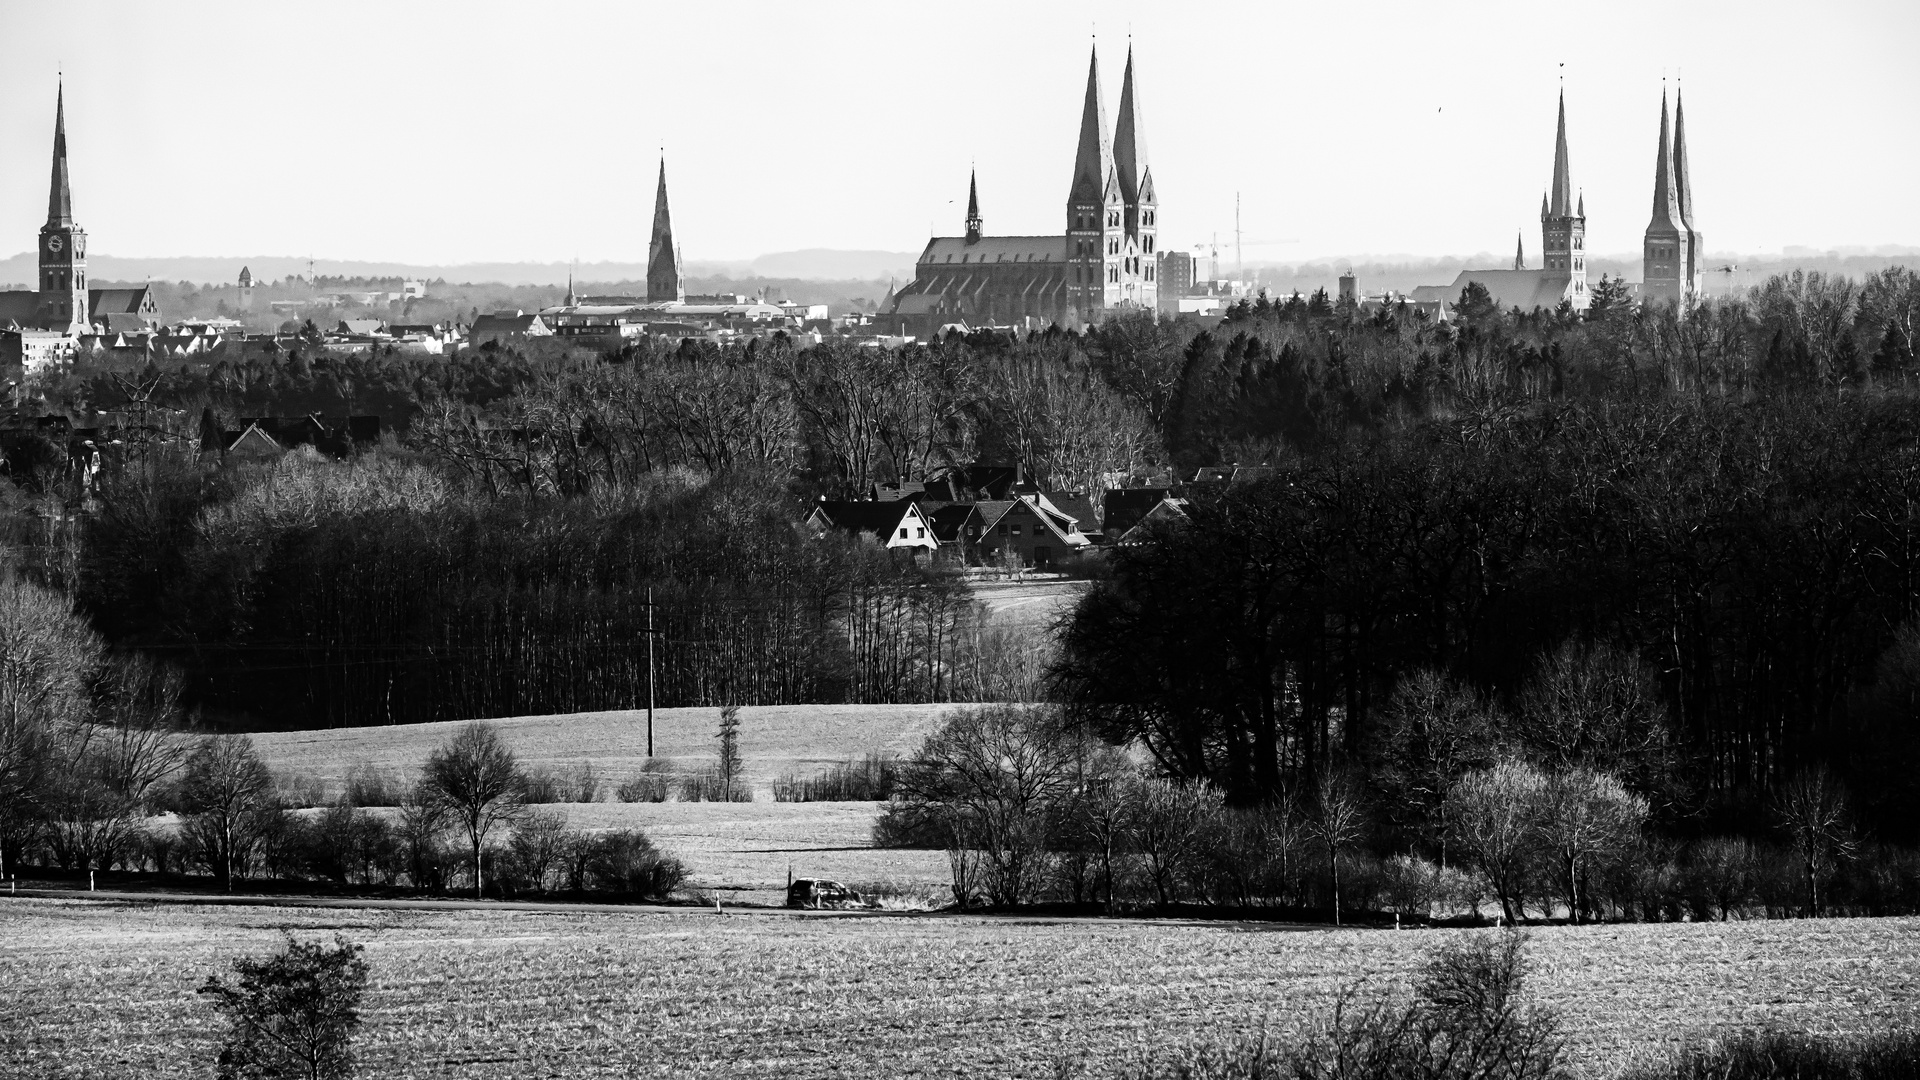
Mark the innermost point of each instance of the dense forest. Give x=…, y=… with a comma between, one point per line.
x=1712, y=508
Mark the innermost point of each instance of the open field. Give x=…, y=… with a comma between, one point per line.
x=775, y=739
x=746, y=849
x=105, y=990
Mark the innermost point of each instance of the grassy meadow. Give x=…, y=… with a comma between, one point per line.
x=106, y=990
x=774, y=739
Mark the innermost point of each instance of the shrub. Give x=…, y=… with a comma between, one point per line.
x=1464, y=1022
x=291, y=1014
x=868, y=779
x=710, y=784
x=577, y=783
x=538, y=850
x=624, y=861
x=653, y=783
x=367, y=786
x=1783, y=1055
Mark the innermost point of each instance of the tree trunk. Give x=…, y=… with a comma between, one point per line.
x=476, y=865
x=1333, y=867
x=1573, y=892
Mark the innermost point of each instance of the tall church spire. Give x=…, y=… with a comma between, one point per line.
x=1666, y=203
x=1093, y=160
x=663, y=261
x=1129, y=141
x=1519, y=252
x=1562, y=191
x=973, y=208
x=1682, y=181
x=60, y=197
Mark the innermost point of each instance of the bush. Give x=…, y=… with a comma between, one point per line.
x=710, y=784
x=367, y=786
x=653, y=783
x=868, y=779
x=1464, y=1022
x=624, y=861
x=576, y=784
x=291, y=1014
x=1783, y=1055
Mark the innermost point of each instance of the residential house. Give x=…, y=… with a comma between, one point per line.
x=1026, y=528
x=507, y=328
x=899, y=525
x=1165, y=512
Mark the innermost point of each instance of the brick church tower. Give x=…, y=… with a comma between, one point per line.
x=63, y=243
x=1670, y=259
x=1563, y=222
x=1139, y=208
x=1094, y=210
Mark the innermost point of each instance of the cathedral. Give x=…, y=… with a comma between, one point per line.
x=1103, y=262
x=48, y=324
x=1671, y=268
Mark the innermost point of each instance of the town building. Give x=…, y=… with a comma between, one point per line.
x=1105, y=261
x=1671, y=267
x=1562, y=276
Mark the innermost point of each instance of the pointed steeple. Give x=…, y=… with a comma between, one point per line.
x=1582, y=212
x=570, y=301
x=1562, y=190
x=60, y=197
x=1129, y=140
x=1666, y=204
x=1093, y=160
x=1519, y=251
x=973, y=208
x=1544, y=214
x=663, y=259
x=1682, y=176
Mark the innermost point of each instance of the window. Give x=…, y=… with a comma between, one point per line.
x=920, y=534
x=903, y=533
x=1016, y=530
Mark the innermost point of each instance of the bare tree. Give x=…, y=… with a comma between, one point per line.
x=479, y=782
x=1492, y=813
x=990, y=777
x=1168, y=826
x=1433, y=730
x=1336, y=817
x=1598, y=706
x=1812, y=809
x=225, y=782
x=1582, y=814
x=46, y=653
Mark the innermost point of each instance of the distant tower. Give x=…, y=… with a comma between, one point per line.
x=1563, y=224
x=1665, y=255
x=1683, y=194
x=1094, y=210
x=245, y=282
x=663, y=261
x=973, y=208
x=1519, y=251
x=1349, y=288
x=1140, y=209
x=63, y=244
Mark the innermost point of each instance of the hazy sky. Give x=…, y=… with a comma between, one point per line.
x=446, y=133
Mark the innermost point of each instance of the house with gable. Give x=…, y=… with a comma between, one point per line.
x=899, y=525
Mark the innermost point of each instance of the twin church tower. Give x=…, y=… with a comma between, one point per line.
x=1104, y=261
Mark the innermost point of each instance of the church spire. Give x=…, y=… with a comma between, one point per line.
x=663, y=261
x=1562, y=180
x=1666, y=203
x=1682, y=178
x=1093, y=160
x=60, y=197
x=1129, y=141
x=1519, y=251
x=973, y=207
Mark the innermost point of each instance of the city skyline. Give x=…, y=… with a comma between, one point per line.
x=839, y=131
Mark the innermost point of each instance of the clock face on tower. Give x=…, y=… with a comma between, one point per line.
x=55, y=243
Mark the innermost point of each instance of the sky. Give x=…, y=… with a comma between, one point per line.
x=436, y=133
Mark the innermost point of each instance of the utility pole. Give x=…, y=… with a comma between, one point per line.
x=650, y=633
